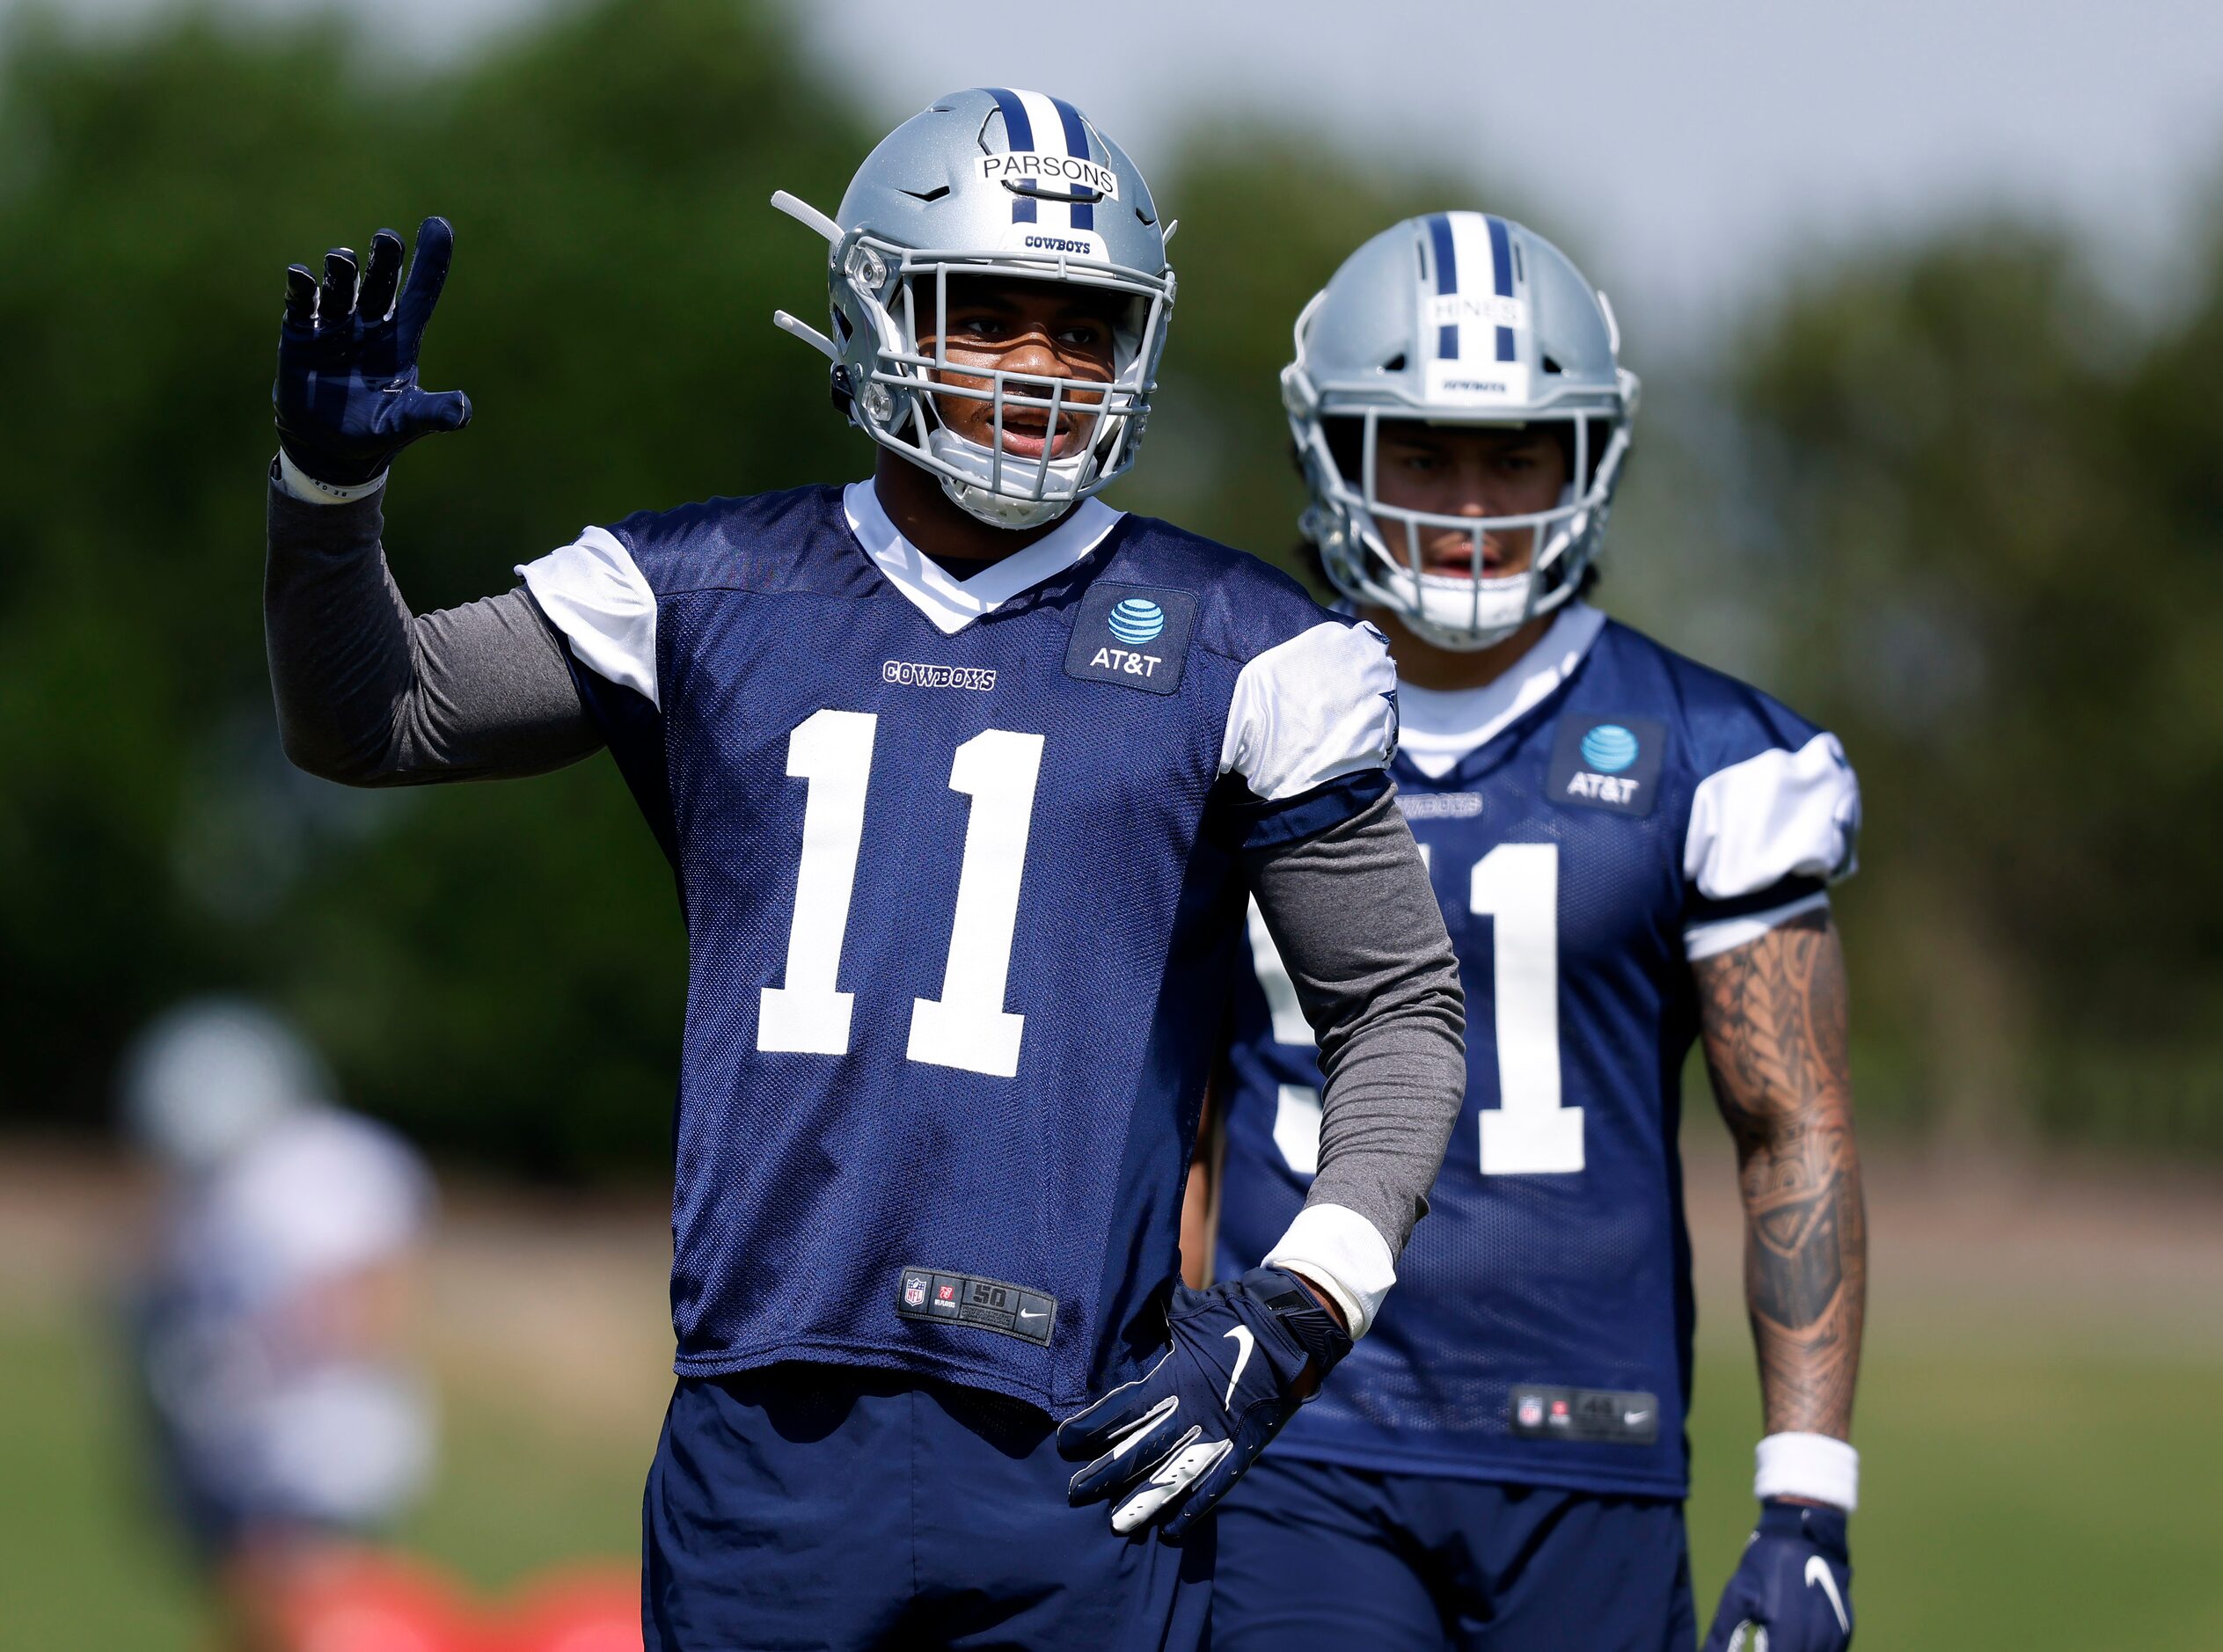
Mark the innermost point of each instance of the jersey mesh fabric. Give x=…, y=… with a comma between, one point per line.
x=1576, y=1279
x=807, y=1181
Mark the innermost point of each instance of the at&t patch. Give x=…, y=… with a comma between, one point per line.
x=1604, y=762
x=1134, y=635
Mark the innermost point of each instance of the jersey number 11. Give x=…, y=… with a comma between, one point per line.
x=966, y=1026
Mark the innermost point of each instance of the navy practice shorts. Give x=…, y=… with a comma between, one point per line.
x=1313, y=1556
x=817, y=1506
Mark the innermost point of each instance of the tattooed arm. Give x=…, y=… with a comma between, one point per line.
x=1772, y=1014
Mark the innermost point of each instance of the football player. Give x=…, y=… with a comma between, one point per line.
x=962, y=774
x=272, y=1315
x=1631, y=851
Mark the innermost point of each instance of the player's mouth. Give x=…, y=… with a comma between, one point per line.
x=1454, y=557
x=1027, y=434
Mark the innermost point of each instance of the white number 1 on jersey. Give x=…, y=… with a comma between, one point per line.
x=1528, y=1133
x=966, y=1026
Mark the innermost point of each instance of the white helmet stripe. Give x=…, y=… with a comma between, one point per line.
x=1056, y=124
x=1036, y=123
x=1473, y=258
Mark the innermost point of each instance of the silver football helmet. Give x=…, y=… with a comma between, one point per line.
x=1457, y=317
x=208, y=1076
x=1009, y=184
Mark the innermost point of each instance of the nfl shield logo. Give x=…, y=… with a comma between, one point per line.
x=1532, y=1411
x=914, y=1291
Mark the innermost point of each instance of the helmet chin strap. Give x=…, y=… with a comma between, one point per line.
x=1000, y=512
x=966, y=478
x=1466, y=616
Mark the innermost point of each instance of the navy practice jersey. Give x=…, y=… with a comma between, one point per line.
x=958, y=863
x=1635, y=811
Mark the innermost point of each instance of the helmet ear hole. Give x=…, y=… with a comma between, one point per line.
x=1346, y=439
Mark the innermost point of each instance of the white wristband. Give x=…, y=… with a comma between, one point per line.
x=1816, y=1466
x=308, y=489
x=1344, y=1255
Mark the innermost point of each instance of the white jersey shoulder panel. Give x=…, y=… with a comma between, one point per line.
x=1783, y=813
x=1312, y=709
x=593, y=592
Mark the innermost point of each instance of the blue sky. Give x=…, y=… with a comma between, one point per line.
x=1692, y=152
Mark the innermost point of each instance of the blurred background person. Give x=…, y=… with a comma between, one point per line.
x=272, y=1310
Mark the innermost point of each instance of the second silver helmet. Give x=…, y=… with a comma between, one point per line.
x=1456, y=318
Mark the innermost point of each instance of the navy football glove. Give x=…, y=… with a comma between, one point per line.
x=1793, y=1591
x=347, y=393
x=1174, y=1440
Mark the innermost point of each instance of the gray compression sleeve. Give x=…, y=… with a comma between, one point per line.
x=1359, y=928
x=370, y=694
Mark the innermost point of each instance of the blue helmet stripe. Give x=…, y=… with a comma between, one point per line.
x=1077, y=146
x=1019, y=133
x=1439, y=235
x=1501, y=256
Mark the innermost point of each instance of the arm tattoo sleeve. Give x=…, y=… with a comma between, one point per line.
x=1772, y=1014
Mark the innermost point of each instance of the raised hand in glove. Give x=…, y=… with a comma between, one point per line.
x=347, y=396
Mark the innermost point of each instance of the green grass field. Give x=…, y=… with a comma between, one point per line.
x=2011, y=1503
x=2037, y=1452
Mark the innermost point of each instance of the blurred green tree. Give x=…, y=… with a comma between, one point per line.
x=499, y=968
x=1948, y=500
x=1991, y=505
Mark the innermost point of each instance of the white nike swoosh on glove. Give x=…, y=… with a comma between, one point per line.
x=1245, y=1338
x=1817, y=1571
